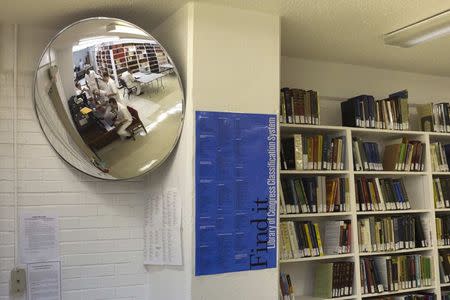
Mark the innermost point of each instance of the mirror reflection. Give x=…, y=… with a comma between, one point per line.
x=109, y=98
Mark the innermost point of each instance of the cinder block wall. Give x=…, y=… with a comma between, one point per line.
x=101, y=223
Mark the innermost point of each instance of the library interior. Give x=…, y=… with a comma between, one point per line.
x=213, y=150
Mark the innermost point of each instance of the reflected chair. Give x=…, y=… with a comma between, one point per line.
x=136, y=124
x=126, y=90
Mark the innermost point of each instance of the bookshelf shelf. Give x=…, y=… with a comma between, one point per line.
x=415, y=250
x=301, y=297
x=393, y=212
x=438, y=134
x=313, y=172
x=442, y=210
x=444, y=247
x=286, y=128
x=398, y=292
x=389, y=173
x=441, y=173
x=385, y=132
x=444, y=285
x=315, y=215
x=317, y=258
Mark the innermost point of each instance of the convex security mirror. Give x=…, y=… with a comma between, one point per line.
x=109, y=98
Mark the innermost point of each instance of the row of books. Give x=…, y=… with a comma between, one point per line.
x=286, y=291
x=303, y=239
x=440, y=157
x=300, y=239
x=366, y=112
x=380, y=194
x=366, y=156
x=314, y=195
x=421, y=296
x=316, y=152
x=377, y=234
x=299, y=106
x=445, y=295
x=444, y=267
x=334, y=279
x=443, y=230
x=394, y=273
x=441, y=192
x=434, y=117
x=404, y=156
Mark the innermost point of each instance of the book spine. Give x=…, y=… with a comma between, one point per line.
x=298, y=151
x=282, y=108
x=288, y=104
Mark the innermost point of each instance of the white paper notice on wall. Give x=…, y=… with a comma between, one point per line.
x=44, y=281
x=38, y=238
x=163, y=229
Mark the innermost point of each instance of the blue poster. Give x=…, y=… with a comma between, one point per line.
x=235, y=192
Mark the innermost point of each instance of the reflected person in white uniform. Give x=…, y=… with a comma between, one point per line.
x=130, y=81
x=102, y=106
x=111, y=87
x=81, y=65
x=80, y=90
x=91, y=78
x=123, y=119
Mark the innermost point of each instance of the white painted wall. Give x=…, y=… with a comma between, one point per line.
x=6, y=158
x=81, y=54
x=236, y=68
x=336, y=82
x=175, y=282
x=65, y=62
x=231, y=63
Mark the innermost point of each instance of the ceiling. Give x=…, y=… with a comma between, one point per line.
x=333, y=30
x=90, y=29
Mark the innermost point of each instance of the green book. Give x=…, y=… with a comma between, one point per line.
x=323, y=281
x=402, y=157
x=299, y=189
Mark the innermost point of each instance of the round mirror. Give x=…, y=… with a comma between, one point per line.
x=109, y=98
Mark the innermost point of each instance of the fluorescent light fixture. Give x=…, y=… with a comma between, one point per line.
x=421, y=31
x=138, y=41
x=92, y=41
x=125, y=29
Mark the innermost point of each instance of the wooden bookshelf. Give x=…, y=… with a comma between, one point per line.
x=419, y=186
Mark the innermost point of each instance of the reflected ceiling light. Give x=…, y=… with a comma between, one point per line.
x=92, y=41
x=147, y=166
x=177, y=108
x=98, y=38
x=421, y=31
x=125, y=29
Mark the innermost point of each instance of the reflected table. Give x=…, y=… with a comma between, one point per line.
x=147, y=79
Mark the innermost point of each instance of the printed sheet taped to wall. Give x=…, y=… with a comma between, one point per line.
x=163, y=229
